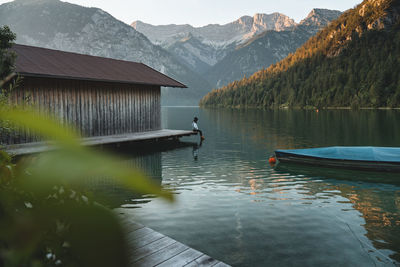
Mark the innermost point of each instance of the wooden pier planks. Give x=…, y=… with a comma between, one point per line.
x=38, y=147
x=154, y=249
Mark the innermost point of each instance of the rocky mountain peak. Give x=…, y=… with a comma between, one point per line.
x=320, y=17
x=216, y=35
x=263, y=22
x=135, y=23
x=275, y=21
x=260, y=19
x=380, y=14
x=378, y=3
x=245, y=21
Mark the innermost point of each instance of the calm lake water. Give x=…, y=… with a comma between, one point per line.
x=232, y=205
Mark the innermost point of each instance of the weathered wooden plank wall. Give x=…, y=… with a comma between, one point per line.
x=94, y=108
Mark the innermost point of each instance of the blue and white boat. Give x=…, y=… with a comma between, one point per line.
x=357, y=157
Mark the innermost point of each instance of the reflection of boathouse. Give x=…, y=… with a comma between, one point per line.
x=100, y=96
x=116, y=194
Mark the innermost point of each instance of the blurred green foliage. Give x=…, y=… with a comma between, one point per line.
x=46, y=216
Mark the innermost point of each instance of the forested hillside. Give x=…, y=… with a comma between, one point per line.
x=354, y=61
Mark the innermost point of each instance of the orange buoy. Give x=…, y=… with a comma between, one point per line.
x=272, y=160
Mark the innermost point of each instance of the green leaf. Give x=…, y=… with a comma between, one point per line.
x=71, y=163
x=44, y=125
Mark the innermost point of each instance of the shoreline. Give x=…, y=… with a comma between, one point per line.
x=301, y=108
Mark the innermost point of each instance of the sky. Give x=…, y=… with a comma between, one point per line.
x=203, y=12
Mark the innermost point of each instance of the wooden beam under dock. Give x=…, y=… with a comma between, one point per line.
x=38, y=147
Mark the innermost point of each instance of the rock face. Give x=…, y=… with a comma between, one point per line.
x=224, y=53
x=63, y=26
x=369, y=15
x=319, y=18
x=202, y=47
x=195, y=54
x=256, y=54
x=267, y=48
x=391, y=16
x=215, y=34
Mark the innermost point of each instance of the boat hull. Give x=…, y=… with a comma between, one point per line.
x=338, y=163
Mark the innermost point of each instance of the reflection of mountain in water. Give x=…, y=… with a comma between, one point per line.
x=381, y=215
x=378, y=204
x=308, y=128
x=230, y=202
x=342, y=174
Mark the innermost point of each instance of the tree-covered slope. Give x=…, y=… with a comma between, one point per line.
x=354, y=61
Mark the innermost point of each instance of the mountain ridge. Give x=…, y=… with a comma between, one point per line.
x=267, y=48
x=64, y=26
x=73, y=28
x=216, y=34
x=210, y=43
x=203, y=55
x=354, y=61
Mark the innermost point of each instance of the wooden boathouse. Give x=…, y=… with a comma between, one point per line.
x=100, y=96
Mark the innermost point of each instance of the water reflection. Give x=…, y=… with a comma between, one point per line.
x=231, y=204
x=195, y=151
x=143, y=156
x=305, y=128
x=342, y=174
x=379, y=205
x=116, y=195
x=373, y=240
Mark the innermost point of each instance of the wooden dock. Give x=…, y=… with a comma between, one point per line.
x=152, y=248
x=38, y=147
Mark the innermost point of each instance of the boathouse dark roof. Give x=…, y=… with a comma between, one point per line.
x=42, y=62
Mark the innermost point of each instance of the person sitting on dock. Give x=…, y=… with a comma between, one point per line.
x=196, y=128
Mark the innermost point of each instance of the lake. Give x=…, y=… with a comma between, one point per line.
x=232, y=205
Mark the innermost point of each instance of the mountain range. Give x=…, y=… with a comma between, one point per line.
x=267, y=48
x=202, y=57
x=214, y=34
x=64, y=26
x=224, y=53
x=353, y=62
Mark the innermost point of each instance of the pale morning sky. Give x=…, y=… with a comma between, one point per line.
x=203, y=12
